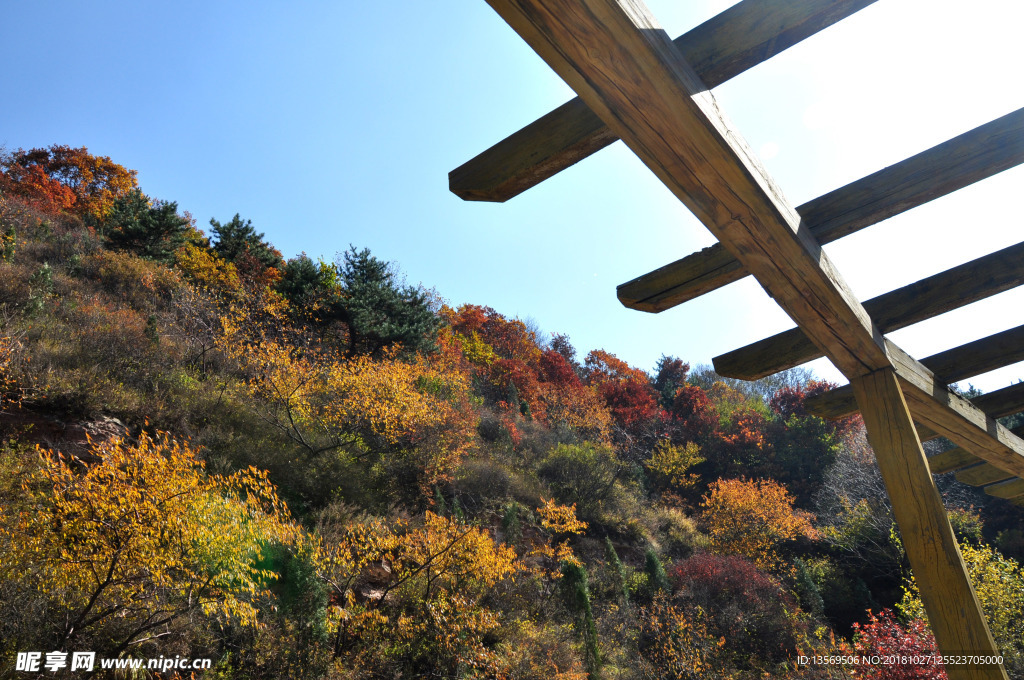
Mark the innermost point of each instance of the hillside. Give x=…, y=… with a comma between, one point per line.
x=311, y=469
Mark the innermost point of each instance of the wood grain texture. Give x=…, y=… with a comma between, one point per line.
x=946, y=591
x=954, y=417
x=721, y=48
x=631, y=75
x=980, y=475
x=840, y=403
x=1013, y=488
x=959, y=162
x=950, y=460
x=986, y=276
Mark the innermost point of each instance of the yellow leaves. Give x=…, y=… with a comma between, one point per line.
x=750, y=518
x=385, y=405
x=560, y=519
x=145, y=526
x=676, y=641
x=205, y=268
x=402, y=590
x=8, y=394
x=672, y=462
x=999, y=584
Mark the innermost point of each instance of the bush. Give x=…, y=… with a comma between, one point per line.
x=749, y=608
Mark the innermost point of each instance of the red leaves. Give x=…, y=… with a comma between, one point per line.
x=884, y=637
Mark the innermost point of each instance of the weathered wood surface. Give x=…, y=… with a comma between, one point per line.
x=1013, y=488
x=954, y=417
x=721, y=48
x=958, y=457
x=980, y=475
x=946, y=591
x=628, y=72
x=839, y=403
x=986, y=276
x=950, y=460
x=981, y=356
x=952, y=165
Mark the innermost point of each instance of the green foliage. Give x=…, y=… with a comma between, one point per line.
x=657, y=579
x=617, y=569
x=237, y=238
x=150, y=229
x=576, y=591
x=580, y=473
x=381, y=312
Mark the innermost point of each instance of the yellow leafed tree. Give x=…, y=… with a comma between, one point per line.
x=750, y=518
x=141, y=538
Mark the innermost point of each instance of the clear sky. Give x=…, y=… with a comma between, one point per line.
x=335, y=123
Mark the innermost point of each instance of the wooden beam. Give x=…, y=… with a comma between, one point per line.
x=628, y=72
x=1013, y=488
x=840, y=403
x=949, y=599
x=981, y=356
x=954, y=417
x=959, y=457
x=986, y=276
x=950, y=460
x=721, y=48
x=959, y=162
x=980, y=475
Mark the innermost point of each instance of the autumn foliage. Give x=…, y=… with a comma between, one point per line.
x=752, y=519
x=465, y=498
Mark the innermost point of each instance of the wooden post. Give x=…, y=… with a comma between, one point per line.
x=946, y=591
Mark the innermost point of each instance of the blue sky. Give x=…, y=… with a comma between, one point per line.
x=330, y=123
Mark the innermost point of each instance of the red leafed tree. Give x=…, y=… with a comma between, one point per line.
x=511, y=339
x=632, y=401
x=883, y=636
x=94, y=181
x=694, y=415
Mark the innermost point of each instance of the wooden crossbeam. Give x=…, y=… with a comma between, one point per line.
x=839, y=403
x=946, y=591
x=721, y=48
x=959, y=457
x=980, y=475
x=953, y=459
x=954, y=417
x=628, y=72
x=981, y=356
x=959, y=162
x=1013, y=488
x=986, y=276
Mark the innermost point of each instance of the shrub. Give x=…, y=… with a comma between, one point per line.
x=749, y=608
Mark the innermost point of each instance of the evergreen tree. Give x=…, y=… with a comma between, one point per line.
x=381, y=312
x=238, y=237
x=150, y=229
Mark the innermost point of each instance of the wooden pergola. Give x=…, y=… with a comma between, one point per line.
x=636, y=84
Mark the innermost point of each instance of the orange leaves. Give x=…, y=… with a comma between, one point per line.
x=9, y=394
x=561, y=522
x=63, y=178
x=750, y=518
x=675, y=640
x=560, y=519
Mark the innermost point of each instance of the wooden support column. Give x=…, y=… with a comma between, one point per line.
x=949, y=598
